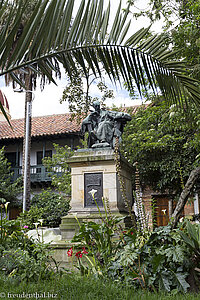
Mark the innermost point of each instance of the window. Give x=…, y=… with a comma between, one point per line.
x=48, y=153
x=13, y=158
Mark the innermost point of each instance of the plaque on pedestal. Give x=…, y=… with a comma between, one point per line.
x=93, y=181
x=95, y=169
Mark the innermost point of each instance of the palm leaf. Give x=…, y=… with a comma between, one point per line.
x=55, y=34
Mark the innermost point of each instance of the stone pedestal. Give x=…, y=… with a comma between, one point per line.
x=95, y=169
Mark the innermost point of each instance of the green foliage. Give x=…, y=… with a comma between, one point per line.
x=59, y=169
x=161, y=262
x=75, y=287
x=181, y=26
x=26, y=266
x=191, y=237
x=20, y=257
x=28, y=218
x=85, y=37
x=77, y=92
x=158, y=261
x=47, y=205
x=165, y=143
x=100, y=242
x=8, y=189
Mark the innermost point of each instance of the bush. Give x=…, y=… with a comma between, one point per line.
x=21, y=257
x=49, y=206
x=27, y=265
x=162, y=260
x=28, y=218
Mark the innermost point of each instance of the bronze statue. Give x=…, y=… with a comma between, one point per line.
x=104, y=126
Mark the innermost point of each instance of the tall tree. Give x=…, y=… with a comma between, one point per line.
x=164, y=141
x=77, y=92
x=182, y=27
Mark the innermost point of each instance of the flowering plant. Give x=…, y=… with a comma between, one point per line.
x=79, y=254
x=70, y=252
x=100, y=238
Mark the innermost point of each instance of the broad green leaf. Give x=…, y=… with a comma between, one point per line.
x=181, y=282
x=164, y=282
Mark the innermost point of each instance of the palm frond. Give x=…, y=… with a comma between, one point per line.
x=55, y=33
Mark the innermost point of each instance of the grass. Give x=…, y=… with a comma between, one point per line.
x=74, y=287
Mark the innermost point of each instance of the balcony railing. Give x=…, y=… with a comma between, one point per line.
x=38, y=173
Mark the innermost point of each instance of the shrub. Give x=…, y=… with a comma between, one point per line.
x=159, y=260
x=49, y=206
x=28, y=218
x=21, y=257
x=27, y=265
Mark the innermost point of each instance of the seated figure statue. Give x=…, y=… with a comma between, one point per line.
x=104, y=126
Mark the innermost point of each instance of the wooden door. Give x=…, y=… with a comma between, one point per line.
x=162, y=211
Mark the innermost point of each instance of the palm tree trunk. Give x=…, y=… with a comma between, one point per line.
x=28, y=100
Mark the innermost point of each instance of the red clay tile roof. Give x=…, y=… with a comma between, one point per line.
x=45, y=125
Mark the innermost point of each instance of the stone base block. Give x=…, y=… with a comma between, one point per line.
x=70, y=223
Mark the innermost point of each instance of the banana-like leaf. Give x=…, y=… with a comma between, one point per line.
x=56, y=33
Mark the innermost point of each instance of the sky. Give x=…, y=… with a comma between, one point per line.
x=46, y=102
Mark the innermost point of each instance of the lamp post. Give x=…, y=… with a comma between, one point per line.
x=26, y=142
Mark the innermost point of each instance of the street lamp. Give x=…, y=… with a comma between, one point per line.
x=26, y=149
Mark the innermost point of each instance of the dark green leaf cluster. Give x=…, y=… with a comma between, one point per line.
x=49, y=206
x=165, y=143
x=21, y=258
x=161, y=262
x=8, y=189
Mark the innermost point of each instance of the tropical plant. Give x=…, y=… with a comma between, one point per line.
x=29, y=80
x=100, y=243
x=20, y=257
x=158, y=262
x=101, y=240
x=27, y=264
x=180, y=20
x=66, y=38
x=191, y=237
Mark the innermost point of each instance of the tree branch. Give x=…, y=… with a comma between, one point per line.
x=184, y=196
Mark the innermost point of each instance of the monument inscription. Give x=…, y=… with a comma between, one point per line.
x=93, y=181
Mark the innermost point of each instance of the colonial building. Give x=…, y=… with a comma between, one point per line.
x=46, y=131
x=59, y=129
